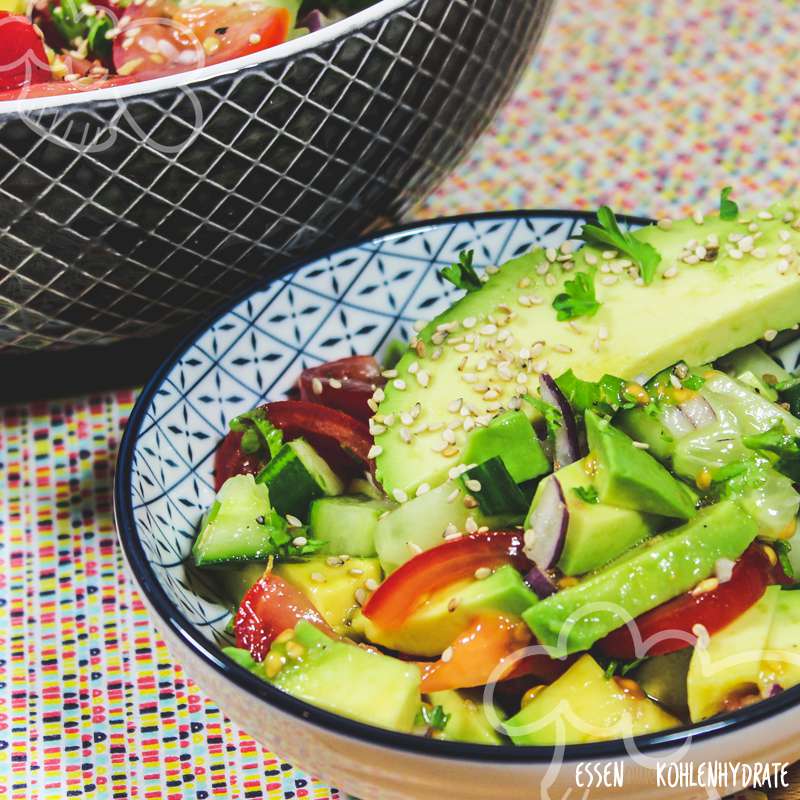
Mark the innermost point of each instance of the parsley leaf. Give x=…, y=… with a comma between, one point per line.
x=259, y=435
x=605, y=396
x=728, y=210
x=462, y=275
x=282, y=539
x=608, y=234
x=434, y=717
x=611, y=669
x=587, y=493
x=693, y=381
x=578, y=298
x=76, y=26
x=781, y=445
x=782, y=549
x=552, y=416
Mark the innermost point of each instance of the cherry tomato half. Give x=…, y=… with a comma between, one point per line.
x=345, y=384
x=23, y=60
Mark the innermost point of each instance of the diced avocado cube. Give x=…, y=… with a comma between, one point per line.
x=447, y=613
x=781, y=662
x=596, y=533
x=652, y=573
x=731, y=661
x=346, y=679
x=583, y=705
x=331, y=587
x=467, y=721
x=629, y=477
x=511, y=437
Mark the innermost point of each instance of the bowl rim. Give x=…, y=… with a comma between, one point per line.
x=213, y=657
x=179, y=80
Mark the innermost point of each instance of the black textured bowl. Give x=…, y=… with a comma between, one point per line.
x=125, y=212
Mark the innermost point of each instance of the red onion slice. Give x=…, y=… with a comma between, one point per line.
x=567, y=444
x=544, y=540
x=540, y=582
x=775, y=690
x=314, y=20
x=699, y=412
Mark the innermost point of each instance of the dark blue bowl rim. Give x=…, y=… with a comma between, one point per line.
x=213, y=657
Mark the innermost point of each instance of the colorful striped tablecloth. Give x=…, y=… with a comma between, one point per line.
x=647, y=106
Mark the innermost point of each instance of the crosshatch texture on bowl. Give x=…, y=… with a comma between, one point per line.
x=128, y=218
x=354, y=300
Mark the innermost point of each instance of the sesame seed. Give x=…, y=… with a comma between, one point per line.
x=452, y=604
x=596, y=345
x=665, y=223
x=671, y=272
x=488, y=330
x=414, y=548
x=602, y=333
x=765, y=215
x=562, y=348
x=334, y=383
x=759, y=252
x=697, y=217
x=691, y=259
x=550, y=254
x=746, y=244
x=470, y=526
x=316, y=386
x=412, y=367
x=405, y=435
x=524, y=283
x=450, y=452
x=550, y=280
x=482, y=573
x=334, y=561
x=785, y=250
x=541, y=366
x=535, y=299
x=641, y=445
x=453, y=495
x=455, y=405
x=422, y=489
x=700, y=251
x=419, y=325
x=438, y=447
x=522, y=378
x=470, y=501
x=378, y=395
x=400, y=496
x=299, y=541
x=784, y=236
x=608, y=280
x=473, y=485
x=609, y=254
x=769, y=335
x=406, y=418
x=447, y=655
x=590, y=259
x=374, y=451
x=317, y=577
x=399, y=384
x=735, y=254
x=371, y=584
x=783, y=266
x=360, y=596
x=293, y=521
x=450, y=530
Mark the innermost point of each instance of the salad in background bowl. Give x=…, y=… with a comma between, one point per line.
x=560, y=515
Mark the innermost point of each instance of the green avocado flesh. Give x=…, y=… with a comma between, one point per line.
x=705, y=310
x=346, y=679
x=663, y=567
x=596, y=533
x=629, y=477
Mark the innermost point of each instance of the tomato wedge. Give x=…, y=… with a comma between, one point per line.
x=162, y=39
x=479, y=651
x=23, y=60
x=346, y=384
x=342, y=441
x=270, y=607
x=414, y=582
x=714, y=610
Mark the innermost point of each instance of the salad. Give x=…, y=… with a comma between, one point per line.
x=52, y=47
x=562, y=513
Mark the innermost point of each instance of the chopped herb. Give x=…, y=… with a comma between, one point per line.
x=693, y=382
x=608, y=234
x=259, y=435
x=622, y=668
x=611, y=669
x=587, y=493
x=282, y=540
x=433, y=717
x=789, y=383
x=631, y=665
x=578, y=298
x=76, y=26
x=778, y=446
x=462, y=274
x=728, y=210
x=552, y=416
x=782, y=549
x=740, y=477
x=605, y=396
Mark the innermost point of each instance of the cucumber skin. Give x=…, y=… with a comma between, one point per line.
x=347, y=524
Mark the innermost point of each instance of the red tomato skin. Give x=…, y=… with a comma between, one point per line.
x=359, y=376
x=270, y=607
x=23, y=60
x=714, y=610
x=412, y=583
x=230, y=460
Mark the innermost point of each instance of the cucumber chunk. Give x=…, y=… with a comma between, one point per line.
x=497, y=492
x=297, y=476
x=347, y=524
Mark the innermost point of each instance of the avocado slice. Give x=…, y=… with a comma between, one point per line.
x=511, y=437
x=731, y=661
x=346, y=679
x=331, y=585
x=467, y=719
x=447, y=613
x=704, y=311
x=781, y=661
x=597, y=533
x=630, y=477
x=753, y=367
x=648, y=575
x=584, y=705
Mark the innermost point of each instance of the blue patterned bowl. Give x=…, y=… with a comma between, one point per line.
x=354, y=300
